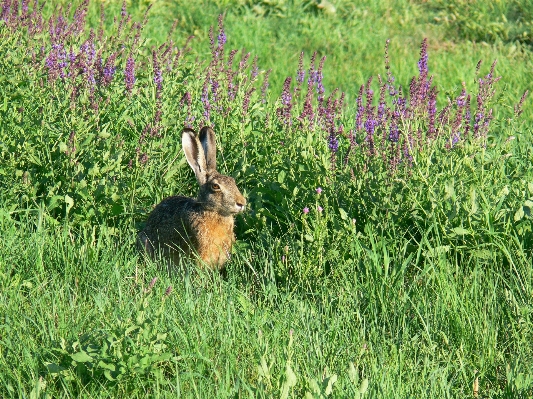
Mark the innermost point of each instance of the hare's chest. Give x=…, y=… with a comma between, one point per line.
x=214, y=240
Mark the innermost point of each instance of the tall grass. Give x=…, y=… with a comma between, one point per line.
x=388, y=246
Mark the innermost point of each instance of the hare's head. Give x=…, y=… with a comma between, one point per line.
x=217, y=192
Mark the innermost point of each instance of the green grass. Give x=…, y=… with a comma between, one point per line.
x=414, y=329
x=410, y=283
x=352, y=38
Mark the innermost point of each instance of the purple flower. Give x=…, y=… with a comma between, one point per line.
x=79, y=17
x=333, y=142
x=300, y=73
x=123, y=11
x=246, y=100
x=158, y=74
x=168, y=290
x=432, y=111
x=90, y=77
x=284, y=112
x=319, y=76
x=468, y=117
x=88, y=48
x=265, y=85
x=129, y=74
x=109, y=72
x=56, y=62
x=255, y=69
x=214, y=51
x=370, y=126
x=221, y=38
x=244, y=62
x=318, y=190
x=307, y=111
x=151, y=285
x=477, y=120
x=214, y=89
x=143, y=158
x=109, y=69
x=205, y=101
x=232, y=90
x=319, y=208
x=394, y=133
x=381, y=110
x=360, y=109
x=306, y=210
x=423, y=62
x=455, y=139
x=518, y=107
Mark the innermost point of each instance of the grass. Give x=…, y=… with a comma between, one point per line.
x=412, y=328
x=352, y=38
x=410, y=282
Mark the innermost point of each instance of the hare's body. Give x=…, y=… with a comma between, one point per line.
x=199, y=228
x=180, y=226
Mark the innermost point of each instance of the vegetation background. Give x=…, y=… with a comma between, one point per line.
x=387, y=250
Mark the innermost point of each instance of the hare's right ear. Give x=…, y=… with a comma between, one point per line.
x=207, y=139
x=194, y=154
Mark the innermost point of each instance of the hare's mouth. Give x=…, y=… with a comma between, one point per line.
x=240, y=208
x=240, y=205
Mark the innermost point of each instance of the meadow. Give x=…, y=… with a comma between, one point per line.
x=386, y=152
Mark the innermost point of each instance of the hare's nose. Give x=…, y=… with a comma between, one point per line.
x=241, y=203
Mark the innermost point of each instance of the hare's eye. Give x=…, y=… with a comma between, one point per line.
x=215, y=186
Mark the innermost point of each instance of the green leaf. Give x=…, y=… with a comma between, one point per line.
x=314, y=387
x=54, y=202
x=344, y=215
x=54, y=368
x=281, y=177
x=437, y=251
x=81, y=357
x=262, y=369
x=352, y=373
x=329, y=388
x=107, y=366
x=482, y=253
x=519, y=215
x=364, y=386
x=449, y=189
x=290, y=381
x=70, y=203
x=460, y=231
x=107, y=374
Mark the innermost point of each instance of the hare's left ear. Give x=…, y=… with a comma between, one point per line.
x=194, y=154
x=207, y=139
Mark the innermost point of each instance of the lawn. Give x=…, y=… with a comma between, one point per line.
x=387, y=245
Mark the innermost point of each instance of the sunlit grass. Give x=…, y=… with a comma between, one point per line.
x=411, y=280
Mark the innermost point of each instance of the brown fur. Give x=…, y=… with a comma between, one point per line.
x=201, y=228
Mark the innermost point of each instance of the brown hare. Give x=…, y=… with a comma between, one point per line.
x=202, y=227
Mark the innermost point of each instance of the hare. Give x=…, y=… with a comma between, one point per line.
x=201, y=228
